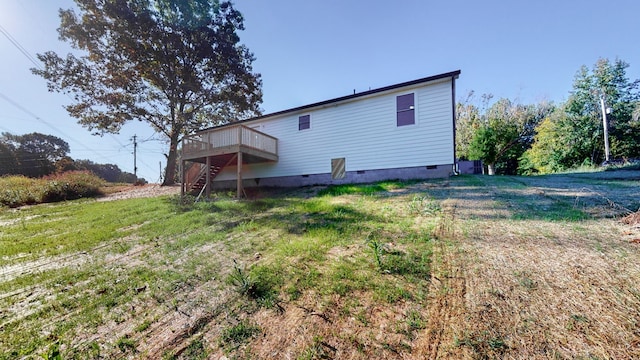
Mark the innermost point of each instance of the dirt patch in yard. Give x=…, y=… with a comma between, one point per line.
x=141, y=191
x=632, y=231
x=10, y=272
x=632, y=219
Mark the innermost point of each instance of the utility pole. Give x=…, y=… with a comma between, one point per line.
x=606, y=128
x=135, y=148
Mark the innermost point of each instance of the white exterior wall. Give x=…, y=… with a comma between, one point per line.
x=364, y=132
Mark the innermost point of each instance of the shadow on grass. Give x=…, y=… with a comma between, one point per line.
x=562, y=197
x=495, y=197
x=292, y=211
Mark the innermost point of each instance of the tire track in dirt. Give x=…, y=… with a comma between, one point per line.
x=177, y=328
x=446, y=316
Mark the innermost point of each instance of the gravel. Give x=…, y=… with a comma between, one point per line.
x=142, y=191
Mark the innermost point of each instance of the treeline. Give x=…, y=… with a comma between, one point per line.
x=36, y=155
x=512, y=138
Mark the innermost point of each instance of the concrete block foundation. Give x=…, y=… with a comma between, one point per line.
x=351, y=177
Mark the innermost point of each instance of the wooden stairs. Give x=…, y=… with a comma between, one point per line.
x=197, y=175
x=197, y=186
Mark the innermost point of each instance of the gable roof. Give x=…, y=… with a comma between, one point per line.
x=452, y=74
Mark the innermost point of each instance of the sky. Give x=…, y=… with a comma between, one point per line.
x=310, y=51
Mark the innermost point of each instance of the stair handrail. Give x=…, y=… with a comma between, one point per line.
x=200, y=194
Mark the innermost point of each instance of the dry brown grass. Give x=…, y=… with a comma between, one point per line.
x=545, y=289
x=632, y=219
x=554, y=295
x=313, y=327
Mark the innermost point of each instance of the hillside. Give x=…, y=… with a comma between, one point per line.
x=467, y=267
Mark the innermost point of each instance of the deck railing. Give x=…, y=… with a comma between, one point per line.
x=228, y=137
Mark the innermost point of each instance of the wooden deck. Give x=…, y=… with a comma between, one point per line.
x=229, y=140
x=217, y=148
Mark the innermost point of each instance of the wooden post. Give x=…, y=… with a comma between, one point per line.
x=239, y=167
x=208, y=183
x=239, y=188
x=182, y=188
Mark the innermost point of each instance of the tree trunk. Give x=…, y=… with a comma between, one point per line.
x=170, y=170
x=491, y=168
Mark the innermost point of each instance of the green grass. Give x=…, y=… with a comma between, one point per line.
x=195, y=351
x=297, y=237
x=74, y=226
x=364, y=189
x=102, y=264
x=550, y=202
x=556, y=210
x=508, y=182
x=234, y=336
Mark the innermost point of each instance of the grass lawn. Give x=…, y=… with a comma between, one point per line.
x=466, y=267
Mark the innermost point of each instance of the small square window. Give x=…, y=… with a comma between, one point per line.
x=304, y=122
x=405, y=110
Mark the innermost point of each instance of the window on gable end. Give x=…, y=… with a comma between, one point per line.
x=304, y=122
x=405, y=110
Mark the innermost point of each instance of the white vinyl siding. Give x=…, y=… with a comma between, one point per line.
x=364, y=131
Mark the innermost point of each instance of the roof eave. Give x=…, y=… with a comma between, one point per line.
x=452, y=74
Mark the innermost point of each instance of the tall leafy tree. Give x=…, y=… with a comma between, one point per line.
x=52, y=148
x=468, y=122
x=36, y=154
x=176, y=65
x=506, y=133
x=108, y=172
x=8, y=160
x=584, y=115
x=549, y=147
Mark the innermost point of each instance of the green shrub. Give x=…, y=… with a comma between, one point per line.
x=20, y=190
x=126, y=344
x=71, y=185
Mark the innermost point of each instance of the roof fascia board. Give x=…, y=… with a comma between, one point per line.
x=343, y=99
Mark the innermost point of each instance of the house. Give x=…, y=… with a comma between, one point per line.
x=402, y=131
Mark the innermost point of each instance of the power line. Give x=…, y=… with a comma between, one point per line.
x=28, y=55
x=20, y=47
x=26, y=111
x=146, y=165
x=35, y=62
